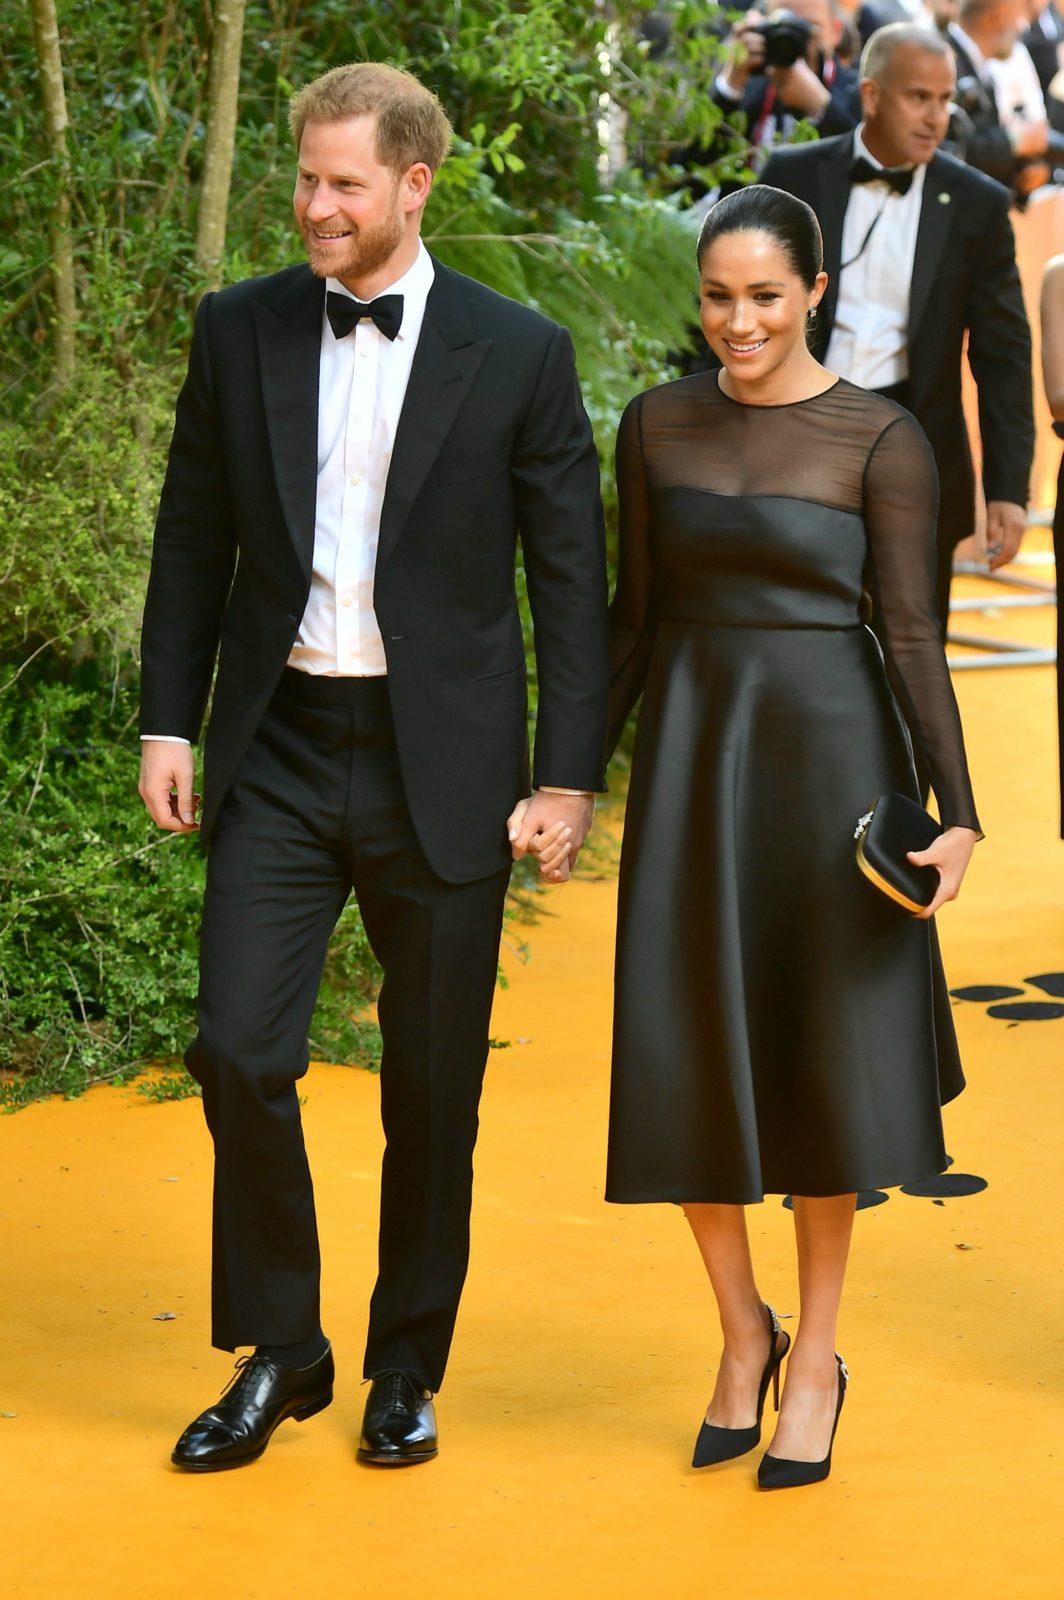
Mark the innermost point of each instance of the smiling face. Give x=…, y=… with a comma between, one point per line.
x=906, y=115
x=755, y=306
x=358, y=218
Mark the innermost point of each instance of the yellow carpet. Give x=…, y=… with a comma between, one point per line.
x=587, y=1338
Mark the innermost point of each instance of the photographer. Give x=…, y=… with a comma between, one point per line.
x=784, y=69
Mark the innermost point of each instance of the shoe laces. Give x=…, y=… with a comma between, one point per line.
x=397, y=1391
x=242, y=1370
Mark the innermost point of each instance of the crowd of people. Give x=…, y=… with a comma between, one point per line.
x=358, y=446
x=787, y=61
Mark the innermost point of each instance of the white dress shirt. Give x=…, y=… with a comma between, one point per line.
x=361, y=388
x=869, y=342
x=1017, y=91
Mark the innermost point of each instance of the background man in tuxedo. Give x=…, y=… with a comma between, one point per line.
x=1016, y=155
x=345, y=487
x=919, y=251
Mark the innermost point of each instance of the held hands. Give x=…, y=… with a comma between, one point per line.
x=551, y=827
x=950, y=853
x=167, y=775
x=1006, y=525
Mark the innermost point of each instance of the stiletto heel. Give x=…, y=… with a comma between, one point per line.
x=714, y=1444
x=776, y=1472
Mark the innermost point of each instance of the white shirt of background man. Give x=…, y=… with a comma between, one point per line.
x=362, y=384
x=869, y=342
x=1017, y=91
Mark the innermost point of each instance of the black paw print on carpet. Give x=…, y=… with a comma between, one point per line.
x=938, y=1189
x=1010, y=1010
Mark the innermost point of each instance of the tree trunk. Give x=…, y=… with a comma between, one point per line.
x=50, y=66
x=222, y=90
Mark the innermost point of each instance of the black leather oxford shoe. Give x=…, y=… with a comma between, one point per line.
x=399, y=1427
x=260, y=1395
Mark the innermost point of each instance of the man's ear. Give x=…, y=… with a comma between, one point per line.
x=869, y=97
x=416, y=183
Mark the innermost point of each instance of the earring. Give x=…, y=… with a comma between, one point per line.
x=811, y=314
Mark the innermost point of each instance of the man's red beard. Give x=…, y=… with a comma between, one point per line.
x=364, y=251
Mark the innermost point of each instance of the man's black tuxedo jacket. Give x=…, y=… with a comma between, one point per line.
x=964, y=280
x=493, y=440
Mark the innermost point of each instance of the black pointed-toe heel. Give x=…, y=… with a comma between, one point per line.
x=776, y=1472
x=714, y=1444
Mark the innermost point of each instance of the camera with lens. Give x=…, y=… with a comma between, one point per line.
x=787, y=39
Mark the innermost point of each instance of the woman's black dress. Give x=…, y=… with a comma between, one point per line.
x=780, y=1025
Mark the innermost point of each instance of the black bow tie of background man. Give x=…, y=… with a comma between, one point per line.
x=900, y=179
x=344, y=313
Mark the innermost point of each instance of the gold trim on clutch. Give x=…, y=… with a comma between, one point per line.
x=881, y=883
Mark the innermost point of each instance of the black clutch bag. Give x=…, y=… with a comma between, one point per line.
x=884, y=835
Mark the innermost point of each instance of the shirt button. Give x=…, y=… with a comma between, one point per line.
x=356, y=479
x=346, y=600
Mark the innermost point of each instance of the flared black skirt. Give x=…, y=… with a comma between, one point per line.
x=780, y=1026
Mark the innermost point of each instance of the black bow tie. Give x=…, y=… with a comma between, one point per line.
x=344, y=313
x=900, y=179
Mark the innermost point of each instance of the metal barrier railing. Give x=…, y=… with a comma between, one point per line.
x=995, y=651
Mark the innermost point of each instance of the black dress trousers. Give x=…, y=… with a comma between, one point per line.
x=318, y=810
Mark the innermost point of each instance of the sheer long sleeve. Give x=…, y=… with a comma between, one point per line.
x=631, y=627
x=900, y=505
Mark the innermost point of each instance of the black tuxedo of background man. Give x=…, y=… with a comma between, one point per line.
x=401, y=793
x=964, y=281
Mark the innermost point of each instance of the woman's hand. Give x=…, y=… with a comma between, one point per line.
x=950, y=854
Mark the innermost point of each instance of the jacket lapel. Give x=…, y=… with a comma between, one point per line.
x=446, y=361
x=931, y=236
x=832, y=199
x=289, y=338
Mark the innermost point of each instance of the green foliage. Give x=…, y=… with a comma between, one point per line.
x=78, y=490
x=98, y=910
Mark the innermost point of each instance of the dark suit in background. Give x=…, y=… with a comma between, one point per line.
x=398, y=787
x=964, y=282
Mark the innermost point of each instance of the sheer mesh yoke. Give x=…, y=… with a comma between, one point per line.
x=781, y=517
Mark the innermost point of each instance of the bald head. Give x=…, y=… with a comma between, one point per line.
x=880, y=53
x=908, y=80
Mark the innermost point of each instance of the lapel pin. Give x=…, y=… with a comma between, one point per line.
x=943, y=199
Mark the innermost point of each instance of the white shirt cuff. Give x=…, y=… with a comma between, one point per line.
x=725, y=90
x=164, y=738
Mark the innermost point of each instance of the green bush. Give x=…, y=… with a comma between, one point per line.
x=98, y=910
x=101, y=909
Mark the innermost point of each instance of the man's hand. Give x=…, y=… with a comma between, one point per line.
x=748, y=55
x=167, y=775
x=1006, y=525
x=552, y=827
x=800, y=89
x=1032, y=139
x=1031, y=176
